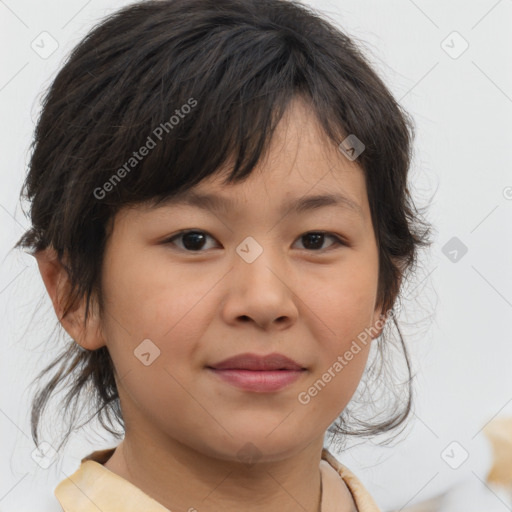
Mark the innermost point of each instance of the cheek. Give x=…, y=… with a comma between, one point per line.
x=343, y=304
x=165, y=305
x=335, y=381
x=166, y=313
x=149, y=297
x=342, y=300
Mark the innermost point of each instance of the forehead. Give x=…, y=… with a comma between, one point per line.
x=302, y=170
x=227, y=204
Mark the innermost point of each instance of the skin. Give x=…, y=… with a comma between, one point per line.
x=184, y=426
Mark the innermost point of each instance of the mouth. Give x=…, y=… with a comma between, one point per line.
x=260, y=374
x=255, y=362
x=259, y=381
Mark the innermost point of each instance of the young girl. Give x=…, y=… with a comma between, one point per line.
x=257, y=130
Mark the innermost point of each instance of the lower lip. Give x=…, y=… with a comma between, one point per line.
x=259, y=381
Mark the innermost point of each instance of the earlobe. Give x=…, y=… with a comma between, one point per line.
x=56, y=281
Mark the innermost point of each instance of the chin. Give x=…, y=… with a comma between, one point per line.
x=256, y=446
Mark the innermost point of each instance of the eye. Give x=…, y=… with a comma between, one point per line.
x=194, y=240
x=316, y=238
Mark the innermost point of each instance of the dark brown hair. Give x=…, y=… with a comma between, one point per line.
x=235, y=64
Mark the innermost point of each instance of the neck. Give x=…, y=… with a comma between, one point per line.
x=181, y=478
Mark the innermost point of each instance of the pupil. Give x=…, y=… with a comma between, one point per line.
x=316, y=237
x=194, y=237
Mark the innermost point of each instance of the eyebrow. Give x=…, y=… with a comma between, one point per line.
x=213, y=202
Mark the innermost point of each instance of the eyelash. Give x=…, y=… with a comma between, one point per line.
x=339, y=242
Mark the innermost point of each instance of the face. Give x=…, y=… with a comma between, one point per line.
x=254, y=277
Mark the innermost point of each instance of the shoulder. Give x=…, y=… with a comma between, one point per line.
x=361, y=497
x=93, y=487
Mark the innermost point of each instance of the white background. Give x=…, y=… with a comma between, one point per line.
x=461, y=345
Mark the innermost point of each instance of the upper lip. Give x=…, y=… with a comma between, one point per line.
x=247, y=361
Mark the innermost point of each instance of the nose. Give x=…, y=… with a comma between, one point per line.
x=261, y=291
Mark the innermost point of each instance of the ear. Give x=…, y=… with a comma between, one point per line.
x=58, y=286
x=378, y=322
x=381, y=317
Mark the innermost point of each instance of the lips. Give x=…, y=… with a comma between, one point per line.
x=255, y=362
x=258, y=374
